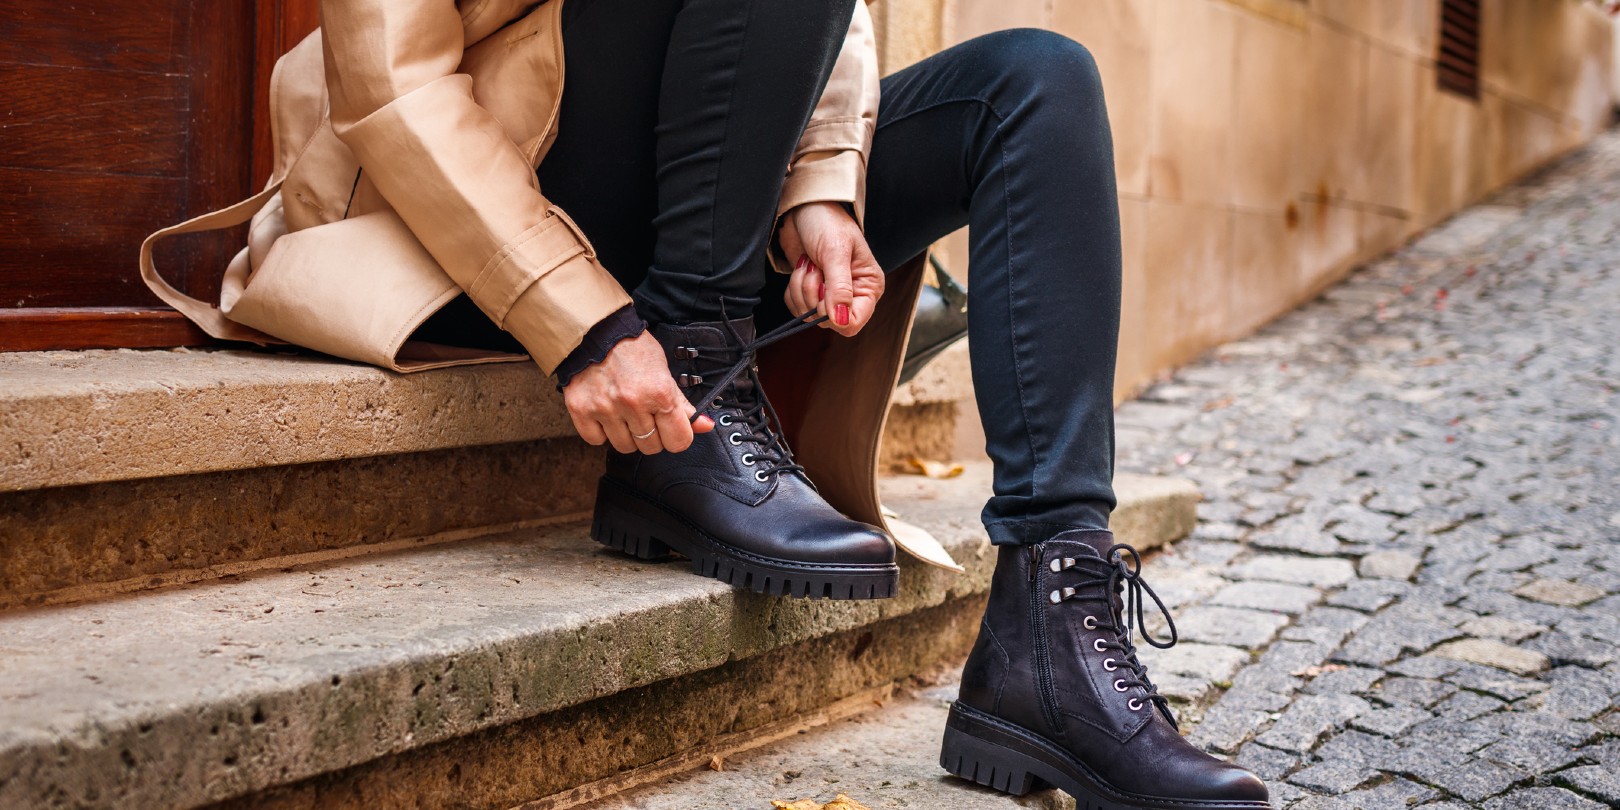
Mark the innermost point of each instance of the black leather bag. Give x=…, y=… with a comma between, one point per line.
x=941, y=320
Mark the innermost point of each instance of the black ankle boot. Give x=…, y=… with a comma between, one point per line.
x=734, y=502
x=1053, y=693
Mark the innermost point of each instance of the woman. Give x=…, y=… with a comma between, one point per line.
x=698, y=143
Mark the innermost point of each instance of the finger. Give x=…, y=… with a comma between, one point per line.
x=589, y=431
x=840, y=289
x=809, y=290
x=618, y=435
x=860, y=314
x=700, y=424
x=674, y=431
x=647, y=439
x=812, y=288
x=793, y=296
x=872, y=281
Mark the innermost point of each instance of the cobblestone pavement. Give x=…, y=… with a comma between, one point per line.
x=1405, y=586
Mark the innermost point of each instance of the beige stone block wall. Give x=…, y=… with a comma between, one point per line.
x=1264, y=147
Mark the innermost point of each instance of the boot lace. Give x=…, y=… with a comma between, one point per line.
x=756, y=418
x=1109, y=578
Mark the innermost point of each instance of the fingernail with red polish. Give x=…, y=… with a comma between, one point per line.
x=821, y=291
x=803, y=260
x=841, y=314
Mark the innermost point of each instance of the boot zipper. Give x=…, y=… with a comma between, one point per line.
x=1043, y=653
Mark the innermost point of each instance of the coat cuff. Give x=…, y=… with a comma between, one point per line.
x=826, y=177
x=552, y=316
x=829, y=165
x=821, y=177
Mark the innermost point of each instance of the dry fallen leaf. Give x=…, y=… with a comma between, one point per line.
x=934, y=469
x=716, y=763
x=841, y=802
x=1312, y=672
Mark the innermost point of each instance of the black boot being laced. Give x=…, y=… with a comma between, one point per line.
x=1053, y=693
x=735, y=503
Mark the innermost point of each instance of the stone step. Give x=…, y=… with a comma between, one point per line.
x=487, y=672
x=125, y=470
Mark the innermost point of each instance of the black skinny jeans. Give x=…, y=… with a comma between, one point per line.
x=680, y=116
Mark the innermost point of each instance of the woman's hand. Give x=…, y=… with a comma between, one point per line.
x=833, y=272
x=628, y=394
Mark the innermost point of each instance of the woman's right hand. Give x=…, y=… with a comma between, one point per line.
x=630, y=393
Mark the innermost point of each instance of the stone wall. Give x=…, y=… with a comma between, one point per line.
x=1264, y=147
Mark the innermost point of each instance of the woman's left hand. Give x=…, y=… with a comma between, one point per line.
x=833, y=271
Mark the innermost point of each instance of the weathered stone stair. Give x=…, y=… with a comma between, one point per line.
x=285, y=582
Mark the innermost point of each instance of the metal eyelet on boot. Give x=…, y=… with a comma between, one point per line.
x=1058, y=596
x=759, y=476
x=1061, y=565
x=1090, y=622
x=1134, y=705
x=1098, y=646
x=1119, y=685
x=1108, y=664
x=735, y=439
x=725, y=419
x=748, y=459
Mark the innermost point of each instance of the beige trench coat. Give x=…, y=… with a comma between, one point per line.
x=406, y=137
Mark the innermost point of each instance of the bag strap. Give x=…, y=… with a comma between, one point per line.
x=206, y=315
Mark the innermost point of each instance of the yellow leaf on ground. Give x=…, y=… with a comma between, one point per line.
x=842, y=802
x=934, y=469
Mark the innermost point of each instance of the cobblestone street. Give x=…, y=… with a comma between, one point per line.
x=1405, y=586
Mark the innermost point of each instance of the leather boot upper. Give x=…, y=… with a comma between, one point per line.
x=738, y=482
x=1055, y=656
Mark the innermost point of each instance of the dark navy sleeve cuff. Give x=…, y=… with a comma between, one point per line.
x=623, y=324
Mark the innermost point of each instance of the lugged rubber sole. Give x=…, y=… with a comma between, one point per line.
x=1011, y=759
x=627, y=521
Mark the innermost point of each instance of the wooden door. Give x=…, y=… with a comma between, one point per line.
x=122, y=117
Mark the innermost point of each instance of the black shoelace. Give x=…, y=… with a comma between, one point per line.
x=1110, y=577
x=756, y=417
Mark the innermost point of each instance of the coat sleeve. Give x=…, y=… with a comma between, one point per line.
x=829, y=164
x=448, y=168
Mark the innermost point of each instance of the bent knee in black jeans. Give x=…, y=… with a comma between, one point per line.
x=1008, y=134
x=680, y=116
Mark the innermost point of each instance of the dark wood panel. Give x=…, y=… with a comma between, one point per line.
x=71, y=234
x=116, y=122
x=42, y=328
x=146, y=37
x=121, y=118
x=71, y=239
x=220, y=166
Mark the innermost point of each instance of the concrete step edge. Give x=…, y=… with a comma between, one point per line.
x=231, y=687
x=221, y=462
x=87, y=417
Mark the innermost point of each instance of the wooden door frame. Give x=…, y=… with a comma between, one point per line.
x=222, y=171
x=278, y=26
